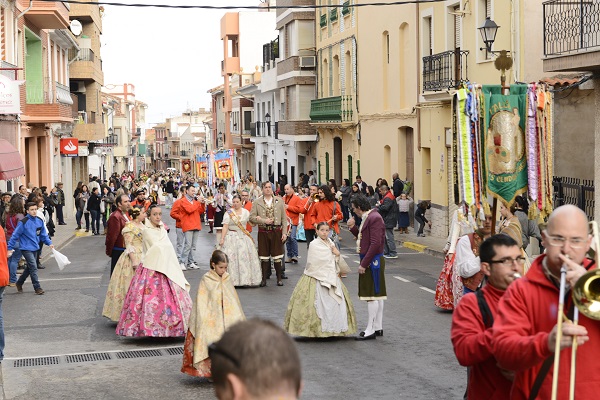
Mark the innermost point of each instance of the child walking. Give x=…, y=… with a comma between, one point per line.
x=217, y=307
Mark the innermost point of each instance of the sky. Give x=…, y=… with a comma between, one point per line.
x=171, y=56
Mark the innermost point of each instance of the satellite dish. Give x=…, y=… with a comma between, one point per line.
x=76, y=27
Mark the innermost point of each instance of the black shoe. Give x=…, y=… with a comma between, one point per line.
x=279, y=283
x=62, y=223
x=377, y=333
x=263, y=284
x=283, y=276
x=41, y=267
x=87, y=230
x=78, y=227
x=371, y=336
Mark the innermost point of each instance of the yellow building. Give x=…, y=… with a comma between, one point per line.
x=452, y=51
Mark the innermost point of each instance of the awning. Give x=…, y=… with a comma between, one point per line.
x=11, y=165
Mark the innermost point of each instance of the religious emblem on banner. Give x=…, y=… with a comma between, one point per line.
x=186, y=166
x=504, y=143
x=202, y=167
x=224, y=165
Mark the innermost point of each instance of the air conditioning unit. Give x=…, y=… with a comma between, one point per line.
x=307, y=62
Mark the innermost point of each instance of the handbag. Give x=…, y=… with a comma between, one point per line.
x=342, y=265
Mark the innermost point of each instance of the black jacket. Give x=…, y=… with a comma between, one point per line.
x=388, y=210
x=398, y=187
x=93, y=203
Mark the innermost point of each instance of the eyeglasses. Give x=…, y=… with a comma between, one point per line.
x=559, y=241
x=215, y=349
x=508, y=262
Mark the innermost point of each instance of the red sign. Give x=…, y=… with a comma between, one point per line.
x=69, y=147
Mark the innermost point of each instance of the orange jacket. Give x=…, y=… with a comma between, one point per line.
x=3, y=260
x=295, y=206
x=323, y=212
x=306, y=210
x=248, y=206
x=187, y=214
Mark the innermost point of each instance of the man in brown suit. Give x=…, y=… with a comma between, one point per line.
x=115, y=244
x=268, y=212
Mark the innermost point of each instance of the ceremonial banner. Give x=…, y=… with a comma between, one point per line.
x=202, y=166
x=224, y=165
x=186, y=166
x=504, y=141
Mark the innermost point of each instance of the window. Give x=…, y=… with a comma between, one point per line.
x=484, y=11
x=427, y=36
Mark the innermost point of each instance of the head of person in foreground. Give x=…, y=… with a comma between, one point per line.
x=255, y=359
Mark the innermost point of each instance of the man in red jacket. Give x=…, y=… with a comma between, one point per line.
x=293, y=207
x=473, y=318
x=307, y=206
x=187, y=211
x=524, y=334
x=115, y=244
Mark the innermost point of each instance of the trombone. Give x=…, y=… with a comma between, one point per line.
x=586, y=298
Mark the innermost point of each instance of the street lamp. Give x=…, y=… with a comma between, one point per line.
x=503, y=60
x=268, y=122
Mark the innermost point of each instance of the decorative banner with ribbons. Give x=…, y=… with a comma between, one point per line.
x=202, y=166
x=224, y=165
x=186, y=166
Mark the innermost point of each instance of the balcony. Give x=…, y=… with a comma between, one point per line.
x=571, y=35
x=43, y=106
x=332, y=109
x=230, y=65
x=49, y=15
x=445, y=70
x=86, y=65
x=261, y=129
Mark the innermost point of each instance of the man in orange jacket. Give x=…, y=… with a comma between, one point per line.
x=3, y=284
x=293, y=208
x=187, y=211
x=307, y=206
x=472, y=321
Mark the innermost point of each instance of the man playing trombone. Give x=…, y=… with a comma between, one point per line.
x=471, y=334
x=526, y=333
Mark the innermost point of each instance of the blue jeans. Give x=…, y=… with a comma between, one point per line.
x=190, y=246
x=30, y=270
x=292, y=243
x=389, y=247
x=78, y=216
x=1, y=326
x=13, y=263
x=95, y=221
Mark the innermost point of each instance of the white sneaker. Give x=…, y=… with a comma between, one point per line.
x=182, y=265
x=193, y=266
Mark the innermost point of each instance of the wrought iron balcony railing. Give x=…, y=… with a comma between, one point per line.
x=571, y=26
x=444, y=70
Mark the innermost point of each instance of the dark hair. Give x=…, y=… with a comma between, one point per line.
x=354, y=185
x=16, y=205
x=265, y=184
x=361, y=202
x=261, y=355
x=346, y=181
x=487, y=249
x=327, y=192
x=523, y=204
x=135, y=212
x=320, y=224
x=358, y=177
x=119, y=199
x=236, y=196
x=218, y=257
x=30, y=204
x=152, y=207
x=370, y=190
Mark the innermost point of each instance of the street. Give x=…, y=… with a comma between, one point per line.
x=58, y=346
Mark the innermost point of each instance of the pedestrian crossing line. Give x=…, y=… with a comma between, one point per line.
x=71, y=279
x=401, y=279
x=427, y=289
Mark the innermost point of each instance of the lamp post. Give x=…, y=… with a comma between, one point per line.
x=503, y=60
x=268, y=123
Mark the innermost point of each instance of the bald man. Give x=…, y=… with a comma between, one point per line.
x=525, y=332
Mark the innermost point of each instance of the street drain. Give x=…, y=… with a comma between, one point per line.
x=77, y=358
x=35, y=362
x=175, y=351
x=100, y=356
x=139, y=353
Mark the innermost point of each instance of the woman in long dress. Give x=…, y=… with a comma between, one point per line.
x=126, y=265
x=237, y=243
x=158, y=302
x=217, y=307
x=320, y=305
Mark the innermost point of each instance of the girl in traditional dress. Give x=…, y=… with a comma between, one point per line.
x=237, y=243
x=158, y=303
x=125, y=267
x=217, y=307
x=510, y=224
x=320, y=305
x=449, y=286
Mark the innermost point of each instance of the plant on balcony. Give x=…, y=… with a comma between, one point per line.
x=323, y=21
x=333, y=14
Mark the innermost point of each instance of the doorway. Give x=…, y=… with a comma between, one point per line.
x=337, y=160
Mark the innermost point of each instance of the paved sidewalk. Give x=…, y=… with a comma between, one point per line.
x=430, y=245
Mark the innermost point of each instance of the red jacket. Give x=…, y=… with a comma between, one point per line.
x=3, y=260
x=526, y=314
x=114, y=238
x=248, y=206
x=187, y=213
x=323, y=212
x=473, y=347
x=307, y=210
x=176, y=213
x=294, y=207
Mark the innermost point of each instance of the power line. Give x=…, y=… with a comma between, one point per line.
x=203, y=7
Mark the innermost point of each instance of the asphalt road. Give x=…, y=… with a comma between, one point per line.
x=58, y=346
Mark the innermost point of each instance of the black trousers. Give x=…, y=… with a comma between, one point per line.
x=310, y=234
x=114, y=258
x=59, y=214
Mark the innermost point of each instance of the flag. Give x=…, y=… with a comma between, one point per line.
x=223, y=165
x=202, y=167
x=504, y=141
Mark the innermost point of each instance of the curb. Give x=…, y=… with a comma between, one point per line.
x=423, y=249
x=415, y=246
